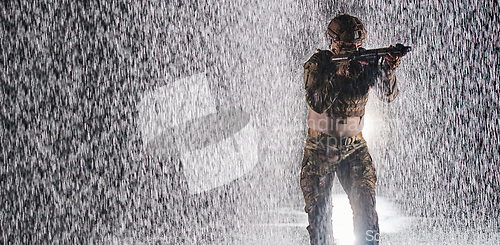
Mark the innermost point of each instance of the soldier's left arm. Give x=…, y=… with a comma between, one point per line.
x=387, y=87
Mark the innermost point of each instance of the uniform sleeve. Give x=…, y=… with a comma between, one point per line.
x=320, y=93
x=387, y=87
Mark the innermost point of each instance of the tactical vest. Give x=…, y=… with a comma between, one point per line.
x=348, y=94
x=353, y=96
x=348, y=105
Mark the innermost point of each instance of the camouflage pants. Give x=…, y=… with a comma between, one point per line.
x=323, y=157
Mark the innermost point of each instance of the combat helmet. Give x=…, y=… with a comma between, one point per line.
x=346, y=28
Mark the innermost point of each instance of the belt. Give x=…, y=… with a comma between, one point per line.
x=333, y=139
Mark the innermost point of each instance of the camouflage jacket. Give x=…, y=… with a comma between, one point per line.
x=345, y=93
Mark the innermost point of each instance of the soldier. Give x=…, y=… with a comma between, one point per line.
x=337, y=93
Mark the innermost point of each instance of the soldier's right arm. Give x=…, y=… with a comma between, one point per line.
x=320, y=93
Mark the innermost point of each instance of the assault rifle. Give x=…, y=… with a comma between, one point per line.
x=398, y=50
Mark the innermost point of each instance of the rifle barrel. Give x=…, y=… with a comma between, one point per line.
x=398, y=50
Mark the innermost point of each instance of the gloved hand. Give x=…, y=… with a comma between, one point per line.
x=393, y=59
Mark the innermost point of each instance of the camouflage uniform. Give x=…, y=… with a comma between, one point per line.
x=324, y=155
